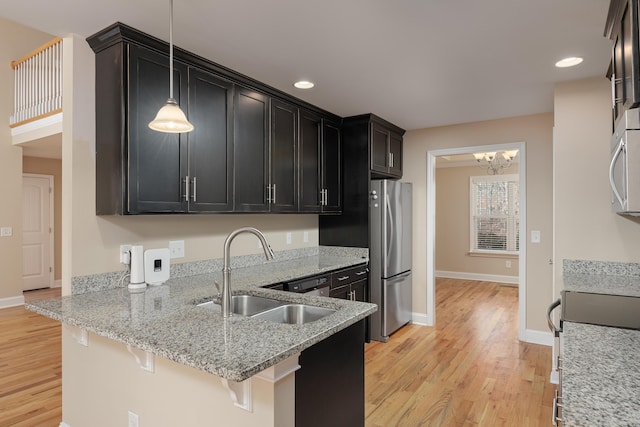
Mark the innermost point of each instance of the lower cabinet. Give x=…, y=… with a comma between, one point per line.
x=330, y=383
x=350, y=283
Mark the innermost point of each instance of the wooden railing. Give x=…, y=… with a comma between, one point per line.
x=38, y=83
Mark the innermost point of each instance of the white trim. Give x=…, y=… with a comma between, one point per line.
x=63, y=424
x=11, y=302
x=419, y=319
x=537, y=337
x=477, y=276
x=57, y=283
x=39, y=124
x=554, y=378
x=431, y=225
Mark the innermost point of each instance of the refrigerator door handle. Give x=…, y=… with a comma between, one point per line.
x=389, y=229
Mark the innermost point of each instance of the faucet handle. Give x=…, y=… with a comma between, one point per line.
x=217, y=287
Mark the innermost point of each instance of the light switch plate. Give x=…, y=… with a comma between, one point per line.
x=6, y=231
x=535, y=236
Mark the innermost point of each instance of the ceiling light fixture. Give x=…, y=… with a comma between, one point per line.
x=568, y=62
x=171, y=118
x=304, y=84
x=496, y=162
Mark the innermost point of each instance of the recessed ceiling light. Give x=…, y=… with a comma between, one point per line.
x=568, y=62
x=304, y=84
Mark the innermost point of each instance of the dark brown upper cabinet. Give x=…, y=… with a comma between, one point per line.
x=624, y=71
x=283, y=193
x=385, y=142
x=253, y=149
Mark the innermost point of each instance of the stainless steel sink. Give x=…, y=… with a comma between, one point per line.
x=246, y=305
x=294, y=314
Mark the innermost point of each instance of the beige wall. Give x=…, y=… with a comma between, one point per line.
x=93, y=241
x=39, y=165
x=536, y=132
x=453, y=227
x=102, y=382
x=586, y=228
x=15, y=41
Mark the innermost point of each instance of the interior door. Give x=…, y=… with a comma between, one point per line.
x=36, y=231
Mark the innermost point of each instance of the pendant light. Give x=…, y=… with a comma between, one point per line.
x=170, y=118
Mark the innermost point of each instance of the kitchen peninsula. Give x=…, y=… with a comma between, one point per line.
x=158, y=355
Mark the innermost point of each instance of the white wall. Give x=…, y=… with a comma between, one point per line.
x=586, y=227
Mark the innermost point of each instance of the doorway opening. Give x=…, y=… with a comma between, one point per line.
x=431, y=224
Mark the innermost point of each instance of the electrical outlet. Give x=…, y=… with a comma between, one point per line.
x=134, y=420
x=125, y=254
x=176, y=248
x=305, y=237
x=508, y=263
x=288, y=238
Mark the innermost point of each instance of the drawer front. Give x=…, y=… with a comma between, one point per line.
x=349, y=275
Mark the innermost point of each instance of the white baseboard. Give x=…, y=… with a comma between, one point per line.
x=63, y=424
x=554, y=378
x=537, y=337
x=478, y=276
x=57, y=283
x=419, y=319
x=11, y=302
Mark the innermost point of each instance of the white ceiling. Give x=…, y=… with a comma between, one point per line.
x=416, y=63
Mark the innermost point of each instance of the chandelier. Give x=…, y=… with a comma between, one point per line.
x=495, y=162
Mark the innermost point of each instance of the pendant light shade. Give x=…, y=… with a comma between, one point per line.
x=170, y=118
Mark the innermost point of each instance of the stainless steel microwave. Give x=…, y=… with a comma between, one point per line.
x=624, y=169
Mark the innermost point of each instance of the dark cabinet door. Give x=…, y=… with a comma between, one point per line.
x=395, y=154
x=309, y=145
x=342, y=292
x=631, y=54
x=157, y=161
x=284, y=151
x=379, y=148
x=331, y=167
x=210, y=172
x=359, y=290
x=251, y=151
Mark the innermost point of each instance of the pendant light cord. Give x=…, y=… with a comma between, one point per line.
x=171, y=50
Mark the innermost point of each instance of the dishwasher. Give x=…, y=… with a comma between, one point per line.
x=314, y=285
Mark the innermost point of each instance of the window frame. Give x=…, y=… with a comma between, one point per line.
x=512, y=226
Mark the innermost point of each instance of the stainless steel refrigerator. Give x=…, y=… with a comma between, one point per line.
x=390, y=252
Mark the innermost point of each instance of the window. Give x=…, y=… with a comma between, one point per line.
x=495, y=214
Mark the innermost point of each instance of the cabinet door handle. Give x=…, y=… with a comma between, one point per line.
x=186, y=188
x=391, y=160
x=326, y=197
x=274, y=194
x=268, y=194
x=360, y=273
x=193, y=196
x=340, y=279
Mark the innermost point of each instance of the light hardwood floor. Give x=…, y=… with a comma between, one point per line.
x=30, y=366
x=469, y=370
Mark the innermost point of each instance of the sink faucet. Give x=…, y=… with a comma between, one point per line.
x=226, y=269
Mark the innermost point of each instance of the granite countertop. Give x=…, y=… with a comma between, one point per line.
x=602, y=284
x=166, y=321
x=600, y=376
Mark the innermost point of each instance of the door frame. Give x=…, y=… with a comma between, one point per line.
x=431, y=226
x=52, y=263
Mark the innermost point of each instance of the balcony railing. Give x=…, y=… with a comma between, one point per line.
x=38, y=84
